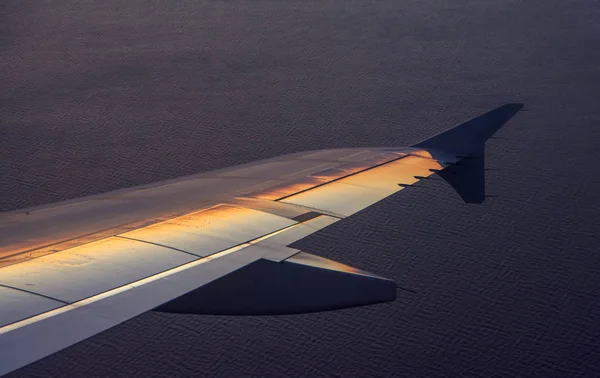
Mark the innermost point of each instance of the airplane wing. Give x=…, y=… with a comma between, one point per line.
x=213, y=243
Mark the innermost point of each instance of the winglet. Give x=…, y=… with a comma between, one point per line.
x=469, y=138
x=465, y=145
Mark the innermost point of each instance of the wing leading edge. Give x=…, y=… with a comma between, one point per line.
x=214, y=243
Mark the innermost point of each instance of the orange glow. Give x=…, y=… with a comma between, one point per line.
x=353, y=193
x=422, y=153
x=206, y=232
x=320, y=262
x=402, y=171
x=324, y=176
x=284, y=190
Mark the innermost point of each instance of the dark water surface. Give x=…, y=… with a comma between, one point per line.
x=100, y=95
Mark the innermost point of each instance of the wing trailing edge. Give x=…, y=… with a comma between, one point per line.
x=463, y=147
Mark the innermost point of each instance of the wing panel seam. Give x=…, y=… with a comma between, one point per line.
x=158, y=244
x=340, y=178
x=34, y=293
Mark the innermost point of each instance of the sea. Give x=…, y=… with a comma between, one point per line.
x=102, y=95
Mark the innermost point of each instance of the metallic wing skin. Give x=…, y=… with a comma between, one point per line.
x=212, y=243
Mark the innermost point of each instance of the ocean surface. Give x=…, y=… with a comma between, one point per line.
x=101, y=95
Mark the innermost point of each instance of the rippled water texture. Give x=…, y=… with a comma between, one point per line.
x=100, y=95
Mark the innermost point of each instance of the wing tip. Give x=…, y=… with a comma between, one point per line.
x=467, y=143
x=471, y=135
x=512, y=106
x=518, y=105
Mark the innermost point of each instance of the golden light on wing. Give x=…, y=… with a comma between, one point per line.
x=206, y=232
x=305, y=258
x=327, y=175
x=350, y=194
x=388, y=176
x=284, y=190
x=422, y=153
x=316, y=261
